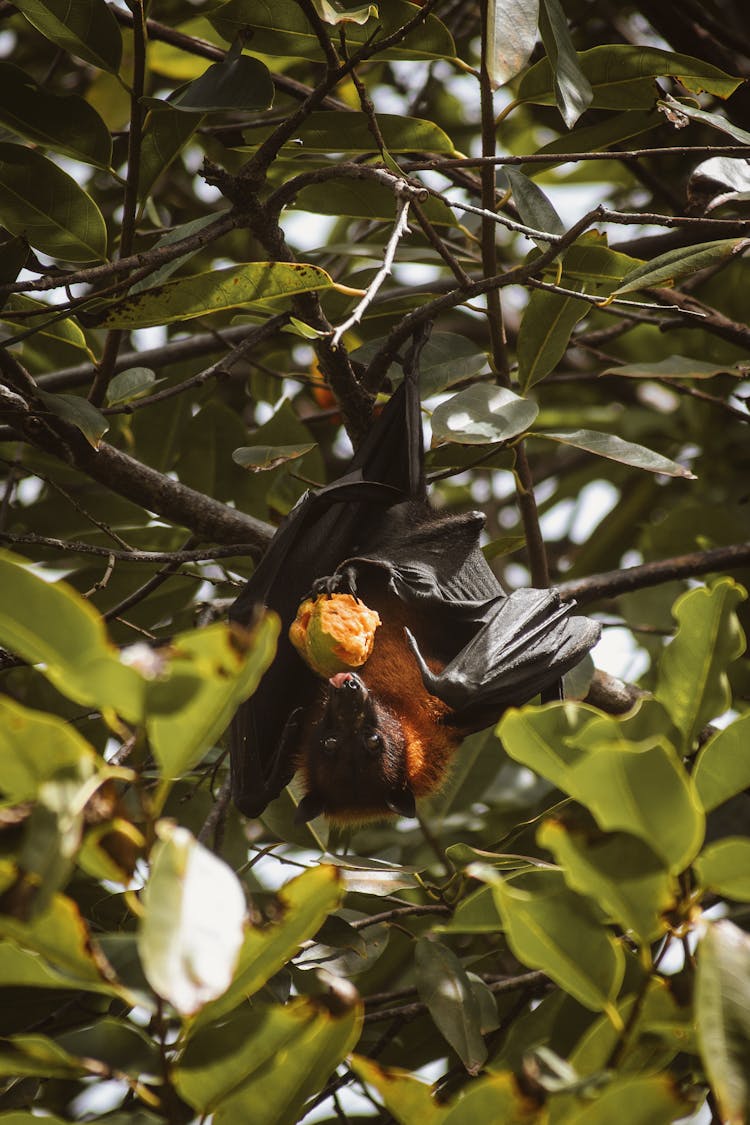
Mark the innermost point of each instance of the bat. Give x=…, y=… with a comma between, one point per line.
x=453, y=650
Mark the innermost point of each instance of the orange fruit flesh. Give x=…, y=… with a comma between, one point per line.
x=334, y=633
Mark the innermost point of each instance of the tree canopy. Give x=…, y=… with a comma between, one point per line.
x=222, y=224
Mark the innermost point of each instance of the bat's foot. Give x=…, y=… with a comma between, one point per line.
x=343, y=581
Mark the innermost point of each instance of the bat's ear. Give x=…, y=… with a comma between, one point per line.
x=401, y=801
x=308, y=808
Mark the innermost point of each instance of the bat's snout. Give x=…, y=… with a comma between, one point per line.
x=346, y=680
x=348, y=701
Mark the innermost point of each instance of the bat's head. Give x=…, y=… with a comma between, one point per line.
x=355, y=756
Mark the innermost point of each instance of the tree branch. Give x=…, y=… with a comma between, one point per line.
x=130, y=478
x=615, y=582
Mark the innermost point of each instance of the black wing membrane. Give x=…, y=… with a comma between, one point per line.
x=323, y=528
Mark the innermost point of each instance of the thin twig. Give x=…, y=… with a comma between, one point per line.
x=153, y=258
x=131, y=555
x=167, y=571
x=400, y=228
x=501, y=220
x=599, y=301
x=440, y=164
x=105, y=368
x=216, y=370
x=440, y=245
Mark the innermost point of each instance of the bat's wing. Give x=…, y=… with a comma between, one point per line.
x=527, y=642
x=323, y=528
x=499, y=650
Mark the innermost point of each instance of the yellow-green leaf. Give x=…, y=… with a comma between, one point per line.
x=216, y=290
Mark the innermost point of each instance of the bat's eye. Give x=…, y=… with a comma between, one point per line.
x=330, y=744
x=373, y=742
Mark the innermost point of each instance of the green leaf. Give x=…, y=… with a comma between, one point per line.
x=573, y=92
x=222, y=667
x=718, y=121
x=61, y=936
x=303, y=905
x=116, y=1043
x=548, y=927
x=722, y=767
x=333, y=15
x=533, y=205
x=47, y=207
x=37, y=1055
x=128, y=385
x=478, y=913
x=546, y=739
x=482, y=414
x=53, y=626
x=280, y=27
x=496, y=1097
x=166, y=134
x=192, y=927
x=216, y=290
x=21, y=968
x=722, y=1014
x=66, y=124
x=375, y=877
x=446, y=358
x=505, y=545
x=611, y=130
x=617, y=449
x=110, y=851
x=242, y=83
x=657, y=1097
x=79, y=412
x=622, y=77
x=546, y=327
x=724, y=867
x=673, y=367
x=34, y=746
x=53, y=831
x=693, y=685
x=618, y=871
x=176, y=234
x=660, y=1028
x=405, y=1097
x=327, y=131
x=363, y=199
x=445, y=988
x=26, y=1117
x=645, y=791
x=640, y=787
x=668, y=268
x=260, y=458
x=86, y=28
x=511, y=35
x=173, y=61
x=63, y=331
x=276, y=1059
x=591, y=261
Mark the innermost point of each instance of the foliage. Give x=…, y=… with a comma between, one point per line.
x=221, y=224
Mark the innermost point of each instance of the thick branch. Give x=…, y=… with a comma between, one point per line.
x=615, y=582
x=135, y=481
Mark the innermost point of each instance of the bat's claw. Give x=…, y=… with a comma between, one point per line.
x=343, y=581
